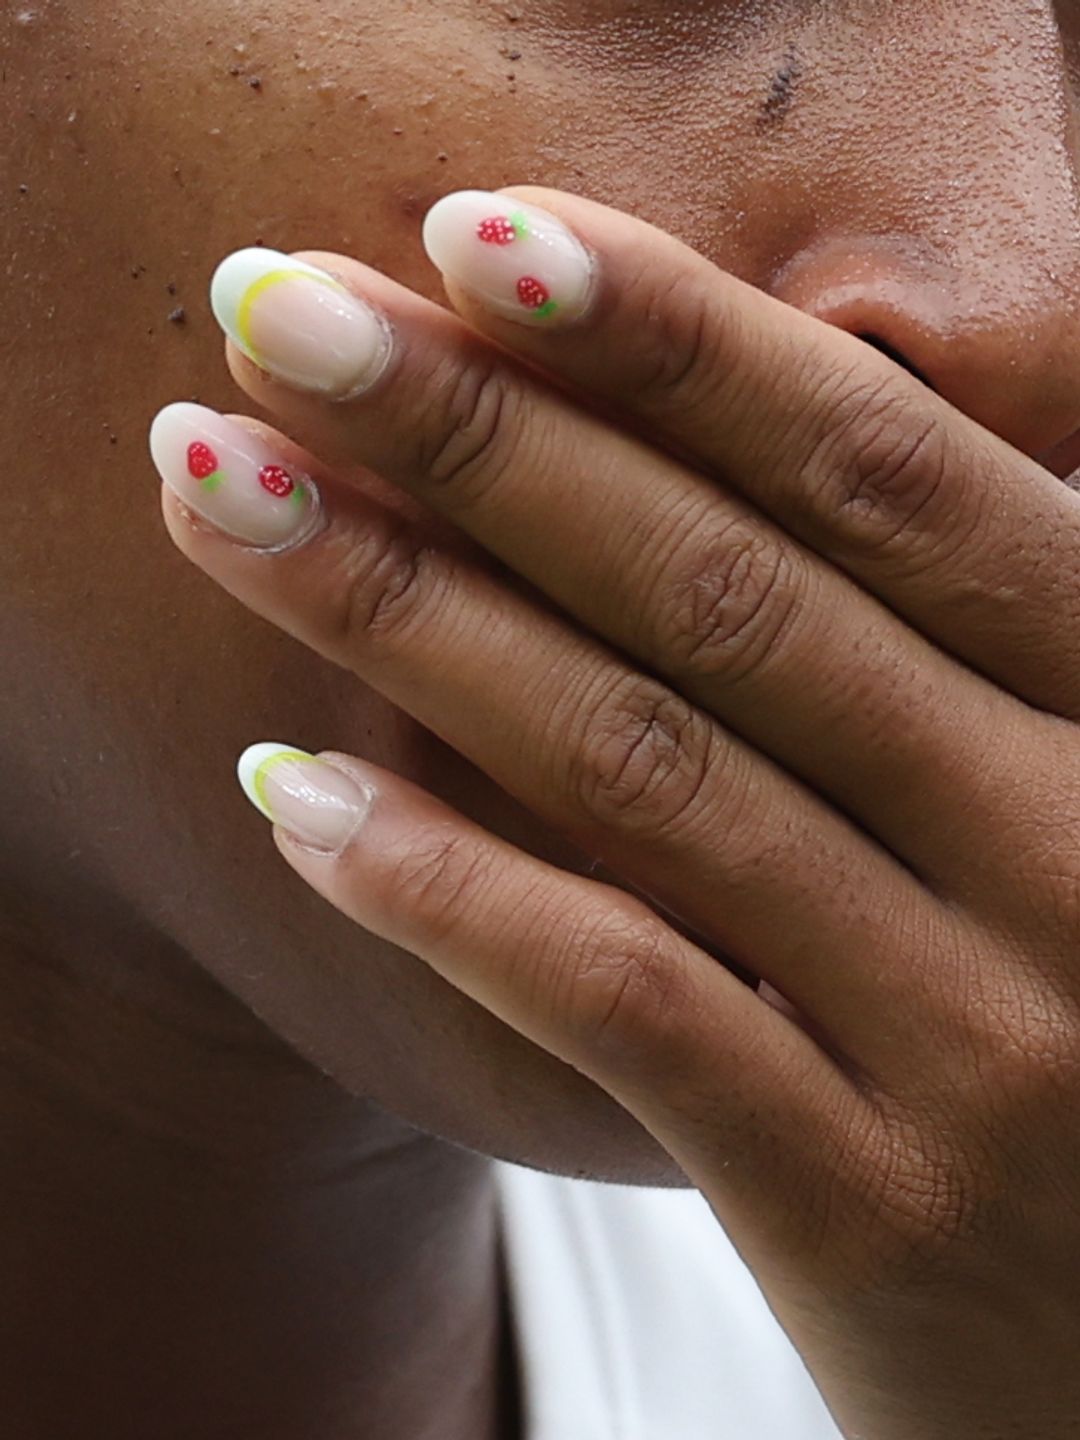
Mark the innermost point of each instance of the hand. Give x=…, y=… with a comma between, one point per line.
x=742, y=608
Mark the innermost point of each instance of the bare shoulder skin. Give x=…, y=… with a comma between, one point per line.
x=254, y=1175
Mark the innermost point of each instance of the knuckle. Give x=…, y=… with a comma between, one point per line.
x=912, y=1193
x=437, y=881
x=1046, y=897
x=644, y=759
x=682, y=344
x=677, y=356
x=924, y=1208
x=391, y=579
x=467, y=437
x=880, y=464
x=969, y=1154
x=1022, y=1039
x=728, y=609
x=621, y=992
x=926, y=1193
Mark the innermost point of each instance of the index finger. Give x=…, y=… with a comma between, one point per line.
x=930, y=511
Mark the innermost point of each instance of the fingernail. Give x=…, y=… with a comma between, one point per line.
x=519, y=260
x=299, y=323
x=317, y=803
x=231, y=477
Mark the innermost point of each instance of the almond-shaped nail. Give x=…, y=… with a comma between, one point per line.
x=516, y=258
x=313, y=800
x=300, y=323
x=232, y=477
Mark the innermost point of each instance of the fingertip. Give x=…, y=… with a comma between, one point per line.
x=254, y=764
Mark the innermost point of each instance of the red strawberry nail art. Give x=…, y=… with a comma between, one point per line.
x=496, y=231
x=277, y=480
x=532, y=293
x=201, y=460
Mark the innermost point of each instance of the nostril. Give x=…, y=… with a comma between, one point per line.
x=935, y=315
x=896, y=357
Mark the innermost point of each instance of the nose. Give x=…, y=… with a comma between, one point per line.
x=957, y=253
x=1010, y=360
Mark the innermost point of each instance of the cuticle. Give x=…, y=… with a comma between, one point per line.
x=389, y=352
x=593, y=288
x=318, y=522
x=319, y=850
x=592, y=258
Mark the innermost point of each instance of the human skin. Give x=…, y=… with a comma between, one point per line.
x=899, y=1165
x=139, y=905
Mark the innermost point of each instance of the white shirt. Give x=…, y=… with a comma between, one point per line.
x=637, y=1320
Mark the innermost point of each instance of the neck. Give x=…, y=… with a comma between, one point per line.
x=204, y=1236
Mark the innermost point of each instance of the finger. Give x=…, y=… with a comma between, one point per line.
x=972, y=542
x=654, y=556
x=628, y=770
x=580, y=968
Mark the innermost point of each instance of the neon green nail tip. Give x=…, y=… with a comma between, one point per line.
x=255, y=764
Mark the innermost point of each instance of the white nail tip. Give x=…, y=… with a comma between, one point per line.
x=250, y=764
x=238, y=272
x=174, y=420
x=314, y=335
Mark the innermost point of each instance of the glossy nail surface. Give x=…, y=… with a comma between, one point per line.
x=518, y=259
x=299, y=323
x=230, y=476
x=313, y=800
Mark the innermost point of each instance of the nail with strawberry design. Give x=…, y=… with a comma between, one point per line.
x=516, y=258
x=227, y=474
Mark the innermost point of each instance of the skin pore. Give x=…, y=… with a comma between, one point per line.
x=217, y=1225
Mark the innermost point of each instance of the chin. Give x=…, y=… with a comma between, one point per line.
x=457, y=1073
x=473, y=1082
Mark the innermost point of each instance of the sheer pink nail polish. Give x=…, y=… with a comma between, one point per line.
x=518, y=259
x=231, y=477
